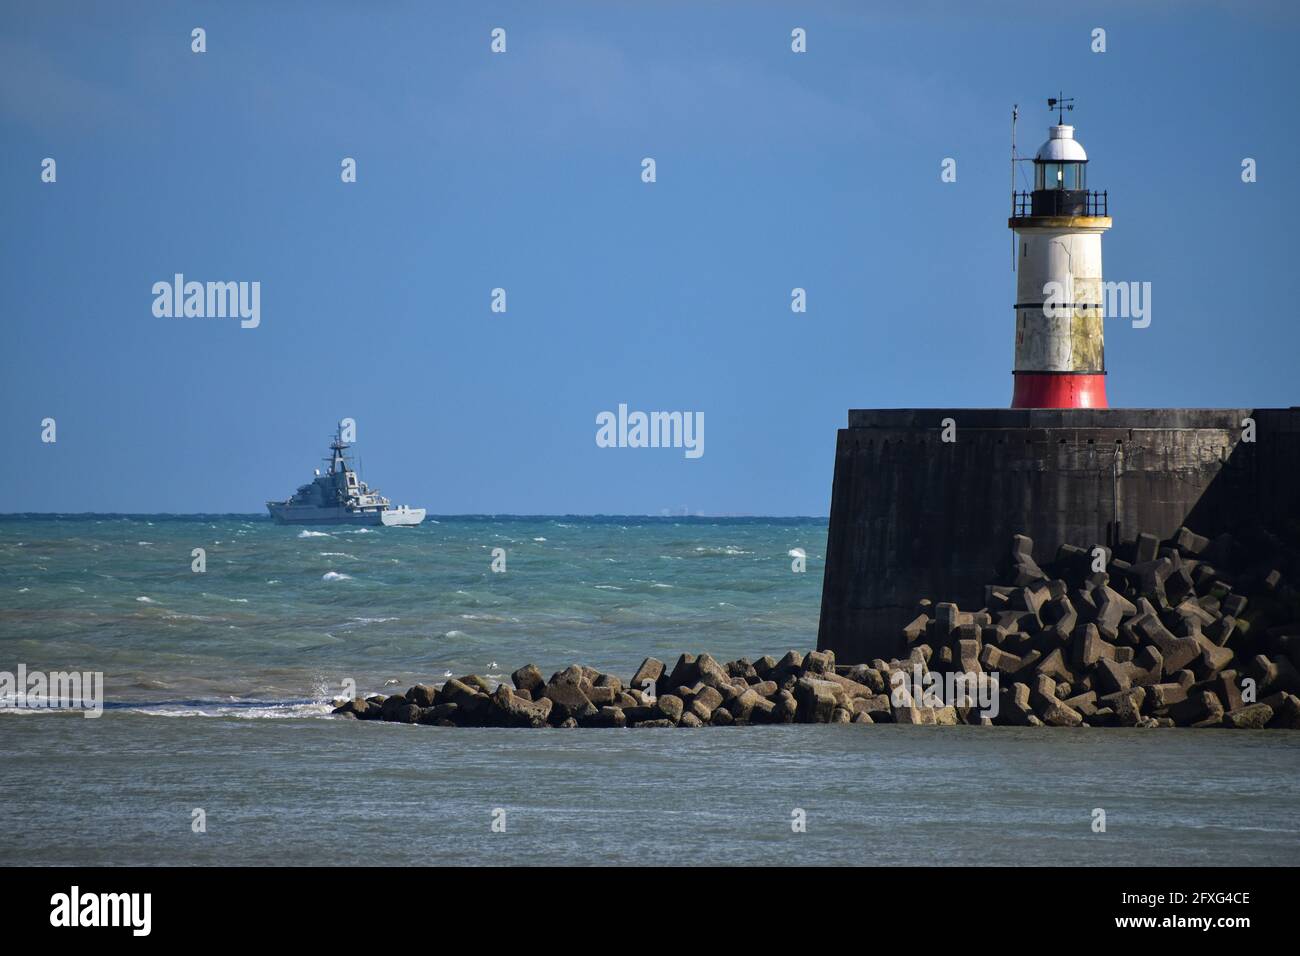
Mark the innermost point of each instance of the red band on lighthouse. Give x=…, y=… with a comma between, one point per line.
x=1059, y=390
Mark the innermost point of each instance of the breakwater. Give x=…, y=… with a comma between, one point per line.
x=1183, y=632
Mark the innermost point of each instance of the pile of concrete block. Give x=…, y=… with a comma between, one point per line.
x=1185, y=632
x=697, y=691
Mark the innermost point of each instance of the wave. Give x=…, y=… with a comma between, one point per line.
x=313, y=534
x=335, y=576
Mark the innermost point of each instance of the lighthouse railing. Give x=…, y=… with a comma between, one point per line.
x=1059, y=202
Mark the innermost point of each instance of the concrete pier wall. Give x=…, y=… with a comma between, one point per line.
x=913, y=516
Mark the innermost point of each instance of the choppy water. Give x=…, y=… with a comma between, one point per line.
x=192, y=663
x=284, y=615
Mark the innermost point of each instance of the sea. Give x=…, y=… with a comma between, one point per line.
x=223, y=639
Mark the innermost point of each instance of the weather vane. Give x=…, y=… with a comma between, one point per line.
x=1060, y=104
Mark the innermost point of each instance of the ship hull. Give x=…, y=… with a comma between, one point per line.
x=289, y=515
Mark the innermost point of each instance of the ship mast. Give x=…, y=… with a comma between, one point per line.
x=337, y=460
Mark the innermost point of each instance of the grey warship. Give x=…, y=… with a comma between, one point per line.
x=339, y=496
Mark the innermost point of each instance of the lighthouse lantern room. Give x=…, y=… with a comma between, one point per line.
x=1060, y=359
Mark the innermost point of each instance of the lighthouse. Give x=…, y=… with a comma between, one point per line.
x=1060, y=357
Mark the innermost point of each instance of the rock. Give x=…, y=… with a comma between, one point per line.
x=479, y=683
x=946, y=716
x=819, y=662
x=1060, y=714
x=1286, y=711
x=849, y=688
x=647, y=674
x=1250, y=717
x=404, y=713
x=785, y=707
x=358, y=707
x=742, y=706
x=685, y=673
x=1112, y=677
x=456, y=691
x=690, y=720
x=569, y=701
x=1053, y=666
x=1091, y=649
x=602, y=695
x=1177, y=652
x=706, y=702
x=509, y=710
x=1188, y=543
x=1201, y=709
x=529, y=678
x=915, y=629
x=996, y=659
x=711, y=673
x=721, y=717
x=1213, y=658
x=670, y=707
x=422, y=695
x=1126, y=705
x=1161, y=696
x=816, y=700
x=763, y=711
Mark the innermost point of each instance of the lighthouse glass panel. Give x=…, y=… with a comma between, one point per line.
x=1059, y=176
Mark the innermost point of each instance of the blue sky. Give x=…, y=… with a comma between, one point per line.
x=523, y=171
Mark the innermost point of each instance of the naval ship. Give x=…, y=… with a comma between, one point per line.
x=339, y=497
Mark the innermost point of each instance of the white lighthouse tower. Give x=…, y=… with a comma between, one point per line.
x=1060, y=358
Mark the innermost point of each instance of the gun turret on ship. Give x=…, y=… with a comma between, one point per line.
x=339, y=496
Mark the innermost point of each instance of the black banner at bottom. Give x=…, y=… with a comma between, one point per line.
x=301, y=905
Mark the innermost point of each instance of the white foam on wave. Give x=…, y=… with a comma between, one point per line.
x=727, y=550
x=608, y=587
x=455, y=634
x=222, y=597
x=539, y=539
x=269, y=711
x=335, y=576
x=313, y=534
x=145, y=600
x=336, y=554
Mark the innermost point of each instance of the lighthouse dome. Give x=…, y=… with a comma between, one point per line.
x=1061, y=147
